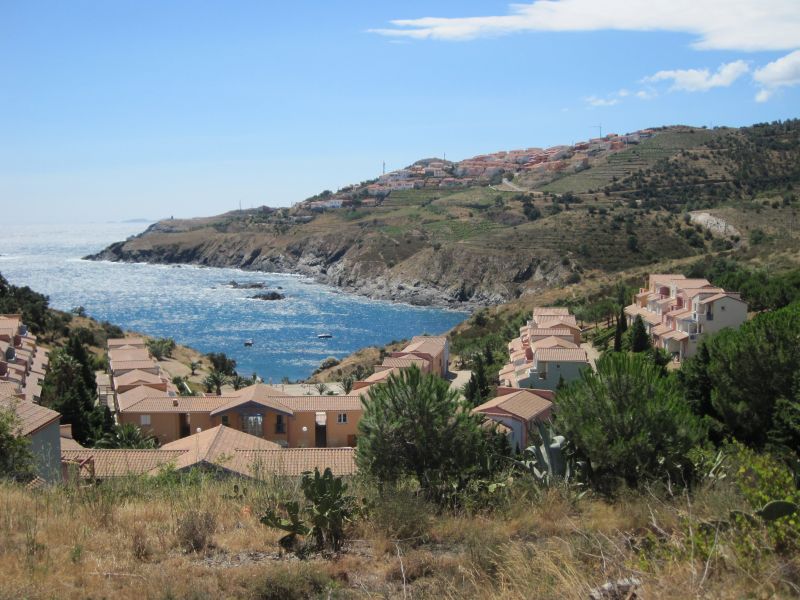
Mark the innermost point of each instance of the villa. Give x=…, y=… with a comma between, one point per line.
x=677, y=312
x=518, y=411
x=546, y=352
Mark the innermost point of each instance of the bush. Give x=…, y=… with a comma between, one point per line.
x=195, y=529
x=292, y=582
x=402, y=515
x=628, y=422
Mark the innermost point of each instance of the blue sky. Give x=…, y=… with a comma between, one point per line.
x=118, y=110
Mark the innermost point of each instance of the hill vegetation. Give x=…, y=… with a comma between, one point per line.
x=487, y=244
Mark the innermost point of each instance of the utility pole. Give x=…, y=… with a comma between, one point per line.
x=600, y=127
x=384, y=167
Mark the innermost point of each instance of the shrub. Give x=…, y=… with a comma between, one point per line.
x=628, y=421
x=195, y=529
x=402, y=515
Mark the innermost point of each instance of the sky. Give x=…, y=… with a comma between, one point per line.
x=115, y=110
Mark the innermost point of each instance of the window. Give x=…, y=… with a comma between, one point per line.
x=144, y=420
x=225, y=420
x=341, y=418
x=280, y=424
x=253, y=424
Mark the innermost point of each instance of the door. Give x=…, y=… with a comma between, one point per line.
x=185, y=428
x=321, y=436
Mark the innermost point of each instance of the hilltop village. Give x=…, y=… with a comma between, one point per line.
x=485, y=169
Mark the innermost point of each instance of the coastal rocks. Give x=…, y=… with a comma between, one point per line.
x=269, y=296
x=247, y=286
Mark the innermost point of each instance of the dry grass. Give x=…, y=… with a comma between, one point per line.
x=130, y=539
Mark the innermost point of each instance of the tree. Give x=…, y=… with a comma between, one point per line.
x=738, y=376
x=347, y=384
x=220, y=362
x=238, y=382
x=477, y=389
x=640, y=341
x=214, y=381
x=194, y=366
x=127, y=435
x=414, y=424
x=628, y=422
x=65, y=391
x=16, y=459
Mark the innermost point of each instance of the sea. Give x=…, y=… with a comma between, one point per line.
x=197, y=307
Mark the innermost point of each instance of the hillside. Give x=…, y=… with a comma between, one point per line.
x=476, y=234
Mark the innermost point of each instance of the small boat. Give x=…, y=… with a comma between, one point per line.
x=248, y=343
x=324, y=336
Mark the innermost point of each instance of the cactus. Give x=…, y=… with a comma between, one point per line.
x=547, y=461
x=293, y=525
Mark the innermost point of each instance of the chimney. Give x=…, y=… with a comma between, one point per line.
x=175, y=402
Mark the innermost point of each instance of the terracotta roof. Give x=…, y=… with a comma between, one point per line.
x=269, y=402
x=524, y=404
x=118, y=463
x=692, y=292
x=379, y=376
x=293, y=461
x=127, y=341
x=720, y=296
x=70, y=444
x=176, y=404
x=550, y=321
x=427, y=345
x=216, y=445
x=8, y=388
x=647, y=315
x=136, y=376
x=134, y=395
x=550, y=310
x=675, y=335
x=550, y=331
x=256, y=391
x=125, y=354
x=660, y=329
x=561, y=355
x=31, y=417
x=323, y=403
x=405, y=361
x=127, y=365
x=552, y=342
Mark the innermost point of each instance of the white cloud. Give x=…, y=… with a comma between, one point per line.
x=784, y=72
x=647, y=94
x=744, y=25
x=701, y=80
x=595, y=101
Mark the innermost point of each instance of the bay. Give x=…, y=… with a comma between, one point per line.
x=197, y=307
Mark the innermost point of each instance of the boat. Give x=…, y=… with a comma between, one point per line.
x=324, y=336
x=248, y=342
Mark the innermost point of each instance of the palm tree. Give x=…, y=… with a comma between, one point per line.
x=194, y=365
x=127, y=435
x=214, y=381
x=347, y=384
x=238, y=382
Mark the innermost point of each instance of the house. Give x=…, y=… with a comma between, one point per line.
x=22, y=362
x=547, y=351
x=221, y=449
x=259, y=410
x=41, y=426
x=434, y=349
x=678, y=311
x=518, y=410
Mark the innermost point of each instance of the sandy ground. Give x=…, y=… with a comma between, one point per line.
x=592, y=353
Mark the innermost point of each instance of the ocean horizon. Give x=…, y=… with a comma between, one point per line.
x=197, y=307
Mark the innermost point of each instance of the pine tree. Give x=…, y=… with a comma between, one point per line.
x=640, y=341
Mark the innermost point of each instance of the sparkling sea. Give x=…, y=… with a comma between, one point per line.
x=196, y=307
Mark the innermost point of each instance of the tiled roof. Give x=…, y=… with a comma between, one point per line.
x=524, y=404
x=379, y=376
x=427, y=345
x=136, y=376
x=660, y=329
x=552, y=342
x=720, y=296
x=134, y=395
x=293, y=461
x=550, y=331
x=31, y=417
x=550, y=321
x=128, y=341
x=177, y=404
x=70, y=444
x=124, y=354
x=216, y=445
x=124, y=365
x=322, y=403
x=8, y=388
x=561, y=355
x=675, y=335
x=118, y=463
x=269, y=402
x=405, y=361
x=550, y=310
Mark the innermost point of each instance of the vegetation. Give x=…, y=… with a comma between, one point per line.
x=628, y=422
x=16, y=460
x=161, y=348
x=415, y=425
x=127, y=435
